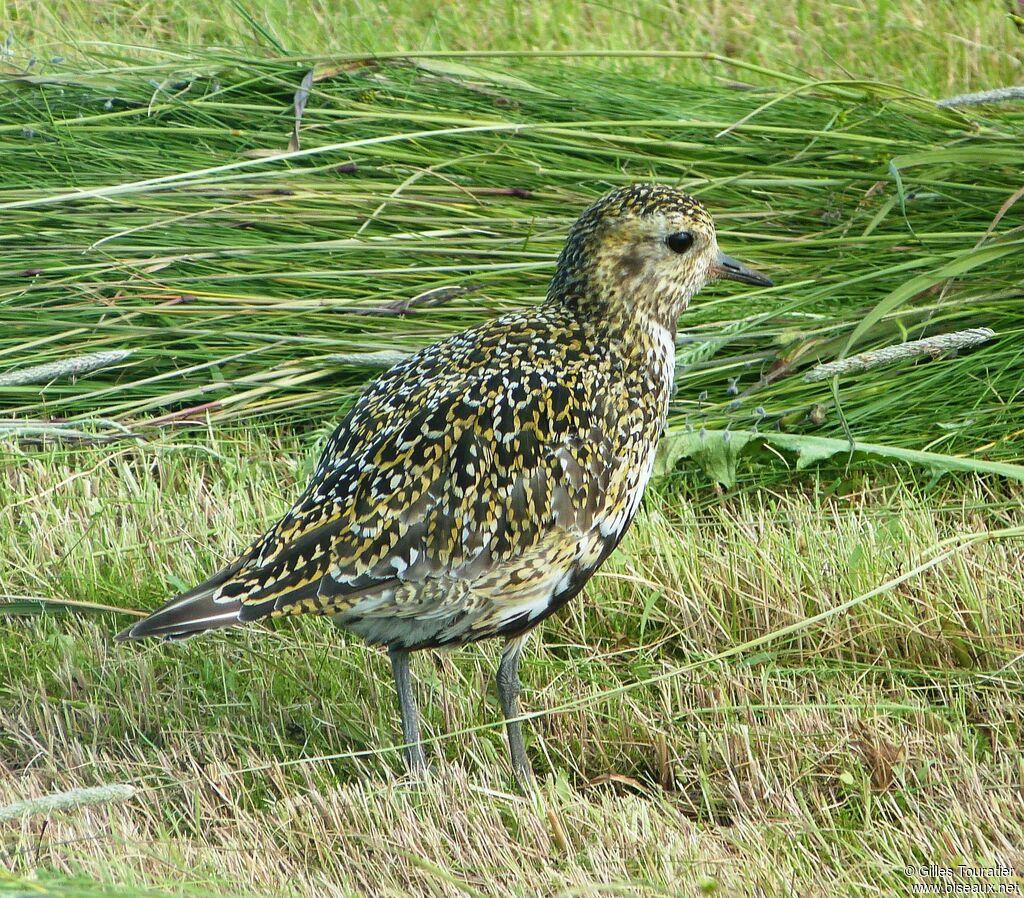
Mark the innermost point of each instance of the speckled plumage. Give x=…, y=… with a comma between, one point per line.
x=475, y=487
x=470, y=490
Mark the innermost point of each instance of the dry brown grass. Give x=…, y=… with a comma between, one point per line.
x=818, y=763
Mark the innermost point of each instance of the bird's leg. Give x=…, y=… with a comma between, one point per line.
x=508, y=695
x=415, y=760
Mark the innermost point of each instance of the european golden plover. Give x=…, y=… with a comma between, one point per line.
x=474, y=488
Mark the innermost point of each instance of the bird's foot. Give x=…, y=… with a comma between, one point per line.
x=522, y=769
x=416, y=763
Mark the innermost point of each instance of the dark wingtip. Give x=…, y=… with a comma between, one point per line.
x=184, y=616
x=127, y=634
x=189, y=613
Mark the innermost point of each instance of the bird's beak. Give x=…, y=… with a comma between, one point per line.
x=727, y=268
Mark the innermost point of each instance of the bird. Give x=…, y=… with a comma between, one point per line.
x=474, y=488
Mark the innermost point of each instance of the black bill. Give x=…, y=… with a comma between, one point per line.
x=728, y=269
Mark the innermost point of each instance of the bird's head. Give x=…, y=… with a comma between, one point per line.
x=639, y=254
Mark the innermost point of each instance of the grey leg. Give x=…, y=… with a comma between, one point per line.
x=508, y=695
x=414, y=758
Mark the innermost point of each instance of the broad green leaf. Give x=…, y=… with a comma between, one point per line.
x=718, y=457
x=715, y=451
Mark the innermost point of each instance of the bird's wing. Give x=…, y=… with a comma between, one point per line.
x=470, y=468
x=470, y=481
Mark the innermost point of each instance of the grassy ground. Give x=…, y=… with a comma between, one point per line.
x=958, y=46
x=808, y=683
x=871, y=736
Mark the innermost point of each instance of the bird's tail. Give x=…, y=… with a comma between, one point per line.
x=191, y=612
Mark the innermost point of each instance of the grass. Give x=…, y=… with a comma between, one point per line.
x=824, y=760
x=881, y=217
x=801, y=682
x=959, y=46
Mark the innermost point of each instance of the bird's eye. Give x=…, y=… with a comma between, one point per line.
x=679, y=242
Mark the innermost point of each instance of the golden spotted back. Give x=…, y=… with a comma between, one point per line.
x=475, y=487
